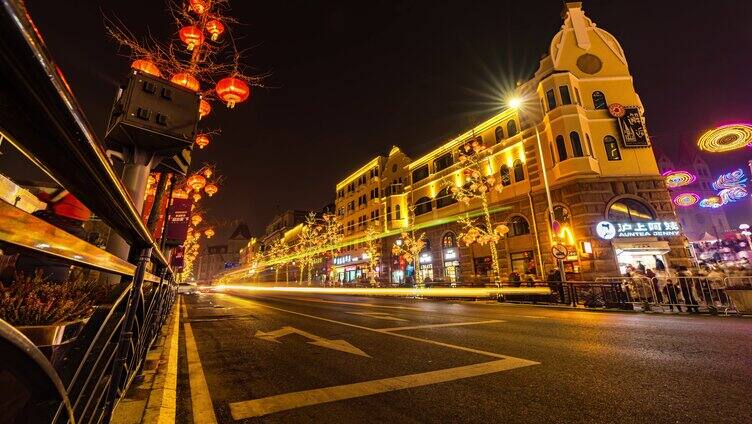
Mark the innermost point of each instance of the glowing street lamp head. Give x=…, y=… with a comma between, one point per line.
x=514, y=102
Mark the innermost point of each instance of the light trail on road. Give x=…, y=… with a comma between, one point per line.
x=435, y=292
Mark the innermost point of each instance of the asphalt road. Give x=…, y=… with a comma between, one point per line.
x=322, y=359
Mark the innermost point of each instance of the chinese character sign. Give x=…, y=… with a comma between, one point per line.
x=633, y=132
x=178, y=221
x=608, y=230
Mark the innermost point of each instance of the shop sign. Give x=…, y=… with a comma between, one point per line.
x=633, y=132
x=608, y=230
x=340, y=260
x=450, y=254
x=425, y=258
x=178, y=221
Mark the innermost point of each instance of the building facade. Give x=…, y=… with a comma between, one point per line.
x=576, y=151
x=216, y=258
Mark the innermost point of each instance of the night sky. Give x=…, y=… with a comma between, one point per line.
x=350, y=79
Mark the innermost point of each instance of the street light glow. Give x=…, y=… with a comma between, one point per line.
x=514, y=102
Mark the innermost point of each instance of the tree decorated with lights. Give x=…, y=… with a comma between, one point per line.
x=309, y=244
x=409, y=246
x=276, y=256
x=373, y=252
x=333, y=232
x=478, y=186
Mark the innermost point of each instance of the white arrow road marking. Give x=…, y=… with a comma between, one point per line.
x=287, y=401
x=340, y=345
x=378, y=315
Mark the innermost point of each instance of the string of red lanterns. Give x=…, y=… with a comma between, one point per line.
x=232, y=90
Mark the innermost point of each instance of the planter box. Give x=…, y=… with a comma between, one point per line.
x=53, y=334
x=742, y=300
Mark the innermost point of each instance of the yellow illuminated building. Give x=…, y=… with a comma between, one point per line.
x=574, y=150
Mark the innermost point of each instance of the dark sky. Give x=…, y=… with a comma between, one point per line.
x=352, y=78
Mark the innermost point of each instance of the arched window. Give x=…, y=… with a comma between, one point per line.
x=628, y=209
x=518, y=226
x=511, y=128
x=499, y=134
x=599, y=100
x=590, y=151
x=444, y=198
x=449, y=240
x=519, y=171
x=574, y=138
x=561, y=214
x=505, y=178
x=561, y=148
x=612, y=148
x=423, y=205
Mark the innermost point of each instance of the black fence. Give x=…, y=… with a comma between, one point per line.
x=81, y=380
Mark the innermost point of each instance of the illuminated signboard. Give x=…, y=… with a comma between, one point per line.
x=425, y=258
x=450, y=254
x=608, y=230
x=339, y=260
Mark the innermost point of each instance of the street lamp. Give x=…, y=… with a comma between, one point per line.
x=514, y=102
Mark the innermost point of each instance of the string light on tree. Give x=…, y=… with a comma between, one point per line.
x=726, y=138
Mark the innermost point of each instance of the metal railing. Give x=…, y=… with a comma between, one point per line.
x=40, y=117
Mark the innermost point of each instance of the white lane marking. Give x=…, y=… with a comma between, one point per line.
x=201, y=403
x=340, y=345
x=449, y=324
x=378, y=315
x=287, y=401
x=238, y=299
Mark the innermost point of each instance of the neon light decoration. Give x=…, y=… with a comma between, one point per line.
x=711, y=202
x=726, y=138
x=730, y=180
x=686, y=199
x=676, y=179
x=733, y=194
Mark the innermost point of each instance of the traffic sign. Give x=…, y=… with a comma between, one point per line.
x=559, y=251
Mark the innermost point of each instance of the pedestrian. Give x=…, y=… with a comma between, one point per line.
x=654, y=283
x=670, y=290
x=640, y=267
x=685, y=285
x=659, y=265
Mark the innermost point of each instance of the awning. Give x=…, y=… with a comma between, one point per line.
x=642, y=247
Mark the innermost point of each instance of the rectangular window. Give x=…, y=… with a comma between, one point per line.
x=397, y=212
x=388, y=213
x=577, y=96
x=564, y=92
x=551, y=99
x=420, y=173
x=443, y=162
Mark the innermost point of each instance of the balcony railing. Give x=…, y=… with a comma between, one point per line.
x=40, y=117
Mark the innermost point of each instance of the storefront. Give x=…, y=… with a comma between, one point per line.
x=349, y=267
x=451, y=258
x=636, y=244
x=425, y=264
x=523, y=263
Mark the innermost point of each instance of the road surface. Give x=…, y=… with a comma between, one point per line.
x=321, y=359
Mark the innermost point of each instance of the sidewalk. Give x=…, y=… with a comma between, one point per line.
x=152, y=399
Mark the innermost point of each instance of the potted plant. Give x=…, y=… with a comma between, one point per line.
x=740, y=294
x=48, y=313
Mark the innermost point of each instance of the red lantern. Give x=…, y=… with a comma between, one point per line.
x=232, y=90
x=198, y=6
x=191, y=36
x=202, y=140
x=186, y=80
x=196, y=197
x=208, y=172
x=196, y=219
x=215, y=27
x=209, y=233
x=210, y=189
x=146, y=67
x=196, y=182
x=204, y=108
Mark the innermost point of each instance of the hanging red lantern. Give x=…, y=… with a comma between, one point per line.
x=191, y=36
x=209, y=233
x=196, y=197
x=210, y=189
x=146, y=67
x=186, y=80
x=232, y=90
x=198, y=6
x=204, y=108
x=208, y=172
x=196, y=219
x=202, y=140
x=196, y=182
x=215, y=28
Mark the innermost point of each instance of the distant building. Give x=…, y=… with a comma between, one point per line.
x=281, y=223
x=696, y=222
x=216, y=258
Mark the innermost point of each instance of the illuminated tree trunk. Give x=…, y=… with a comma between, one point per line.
x=496, y=270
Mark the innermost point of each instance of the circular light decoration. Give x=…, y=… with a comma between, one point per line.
x=726, y=138
x=730, y=180
x=675, y=179
x=686, y=199
x=711, y=202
